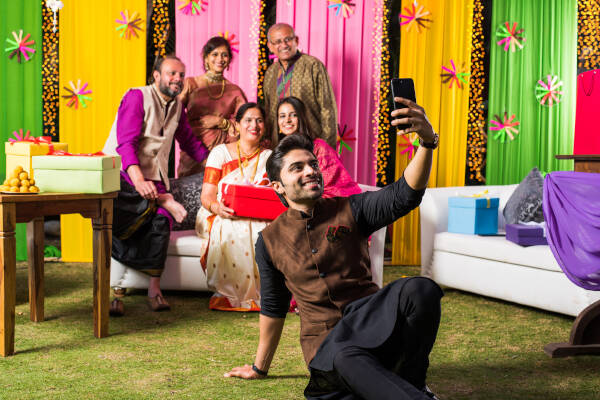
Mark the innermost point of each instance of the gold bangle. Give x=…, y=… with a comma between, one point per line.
x=210, y=207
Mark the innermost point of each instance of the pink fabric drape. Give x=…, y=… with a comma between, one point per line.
x=345, y=46
x=237, y=17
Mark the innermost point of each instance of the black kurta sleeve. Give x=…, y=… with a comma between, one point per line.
x=274, y=295
x=374, y=210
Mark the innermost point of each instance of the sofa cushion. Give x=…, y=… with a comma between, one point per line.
x=186, y=191
x=496, y=248
x=185, y=243
x=525, y=204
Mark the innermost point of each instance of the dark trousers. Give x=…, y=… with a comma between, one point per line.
x=398, y=368
x=140, y=235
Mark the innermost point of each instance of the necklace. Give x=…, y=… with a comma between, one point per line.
x=208, y=90
x=214, y=77
x=244, y=164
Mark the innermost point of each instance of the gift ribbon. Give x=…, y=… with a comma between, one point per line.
x=481, y=194
x=96, y=154
x=20, y=138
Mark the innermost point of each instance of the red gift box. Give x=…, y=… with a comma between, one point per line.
x=260, y=202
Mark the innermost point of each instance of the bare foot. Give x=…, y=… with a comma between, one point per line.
x=166, y=201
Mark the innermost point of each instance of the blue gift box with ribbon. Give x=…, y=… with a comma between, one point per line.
x=473, y=215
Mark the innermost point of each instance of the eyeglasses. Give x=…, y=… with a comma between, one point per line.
x=287, y=40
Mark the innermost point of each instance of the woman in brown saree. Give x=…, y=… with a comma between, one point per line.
x=211, y=102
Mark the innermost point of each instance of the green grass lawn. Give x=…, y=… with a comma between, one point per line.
x=486, y=349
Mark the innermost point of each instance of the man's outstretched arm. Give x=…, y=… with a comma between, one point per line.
x=269, y=334
x=417, y=172
x=374, y=210
x=274, y=303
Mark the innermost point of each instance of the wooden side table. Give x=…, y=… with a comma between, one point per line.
x=583, y=162
x=32, y=209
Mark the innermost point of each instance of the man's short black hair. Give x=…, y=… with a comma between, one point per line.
x=159, y=62
x=287, y=144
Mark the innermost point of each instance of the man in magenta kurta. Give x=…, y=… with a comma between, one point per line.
x=148, y=120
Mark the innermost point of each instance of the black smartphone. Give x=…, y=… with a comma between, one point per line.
x=403, y=87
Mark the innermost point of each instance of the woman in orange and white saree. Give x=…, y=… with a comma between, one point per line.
x=228, y=253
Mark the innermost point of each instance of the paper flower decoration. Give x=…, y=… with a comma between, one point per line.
x=510, y=36
x=345, y=7
x=415, y=16
x=504, y=126
x=20, y=47
x=231, y=39
x=343, y=137
x=452, y=75
x=410, y=143
x=193, y=7
x=128, y=24
x=77, y=95
x=547, y=92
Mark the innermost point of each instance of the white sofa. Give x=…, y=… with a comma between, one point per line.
x=183, y=270
x=491, y=265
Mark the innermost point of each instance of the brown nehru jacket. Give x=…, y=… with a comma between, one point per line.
x=325, y=261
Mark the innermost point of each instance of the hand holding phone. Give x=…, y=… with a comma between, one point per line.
x=403, y=87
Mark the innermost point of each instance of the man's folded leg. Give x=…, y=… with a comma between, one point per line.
x=365, y=376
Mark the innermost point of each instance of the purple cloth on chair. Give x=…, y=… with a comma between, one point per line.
x=572, y=213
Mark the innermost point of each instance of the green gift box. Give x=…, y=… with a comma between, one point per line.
x=77, y=173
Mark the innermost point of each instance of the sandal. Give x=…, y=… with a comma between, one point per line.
x=158, y=303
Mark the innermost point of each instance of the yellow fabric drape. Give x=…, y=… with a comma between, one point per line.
x=91, y=50
x=421, y=58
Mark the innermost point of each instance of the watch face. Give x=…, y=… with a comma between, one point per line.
x=432, y=145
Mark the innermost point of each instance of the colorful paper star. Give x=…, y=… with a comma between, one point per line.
x=343, y=136
x=128, y=24
x=20, y=47
x=504, y=126
x=453, y=76
x=77, y=95
x=230, y=37
x=345, y=7
x=415, y=16
x=410, y=144
x=511, y=37
x=193, y=7
x=548, y=91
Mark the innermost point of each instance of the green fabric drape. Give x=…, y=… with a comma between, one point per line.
x=20, y=84
x=550, y=48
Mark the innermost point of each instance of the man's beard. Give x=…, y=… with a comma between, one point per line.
x=300, y=194
x=167, y=91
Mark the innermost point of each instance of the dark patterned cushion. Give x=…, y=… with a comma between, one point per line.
x=187, y=192
x=525, y=204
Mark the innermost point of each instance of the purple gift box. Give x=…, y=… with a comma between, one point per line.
x=525, y=235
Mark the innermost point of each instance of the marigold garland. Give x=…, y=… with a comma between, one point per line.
x=588, y=35
x=262, y=53
x=161, y=26
x=49, y=73
x=382, y=106
x=476, y=126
